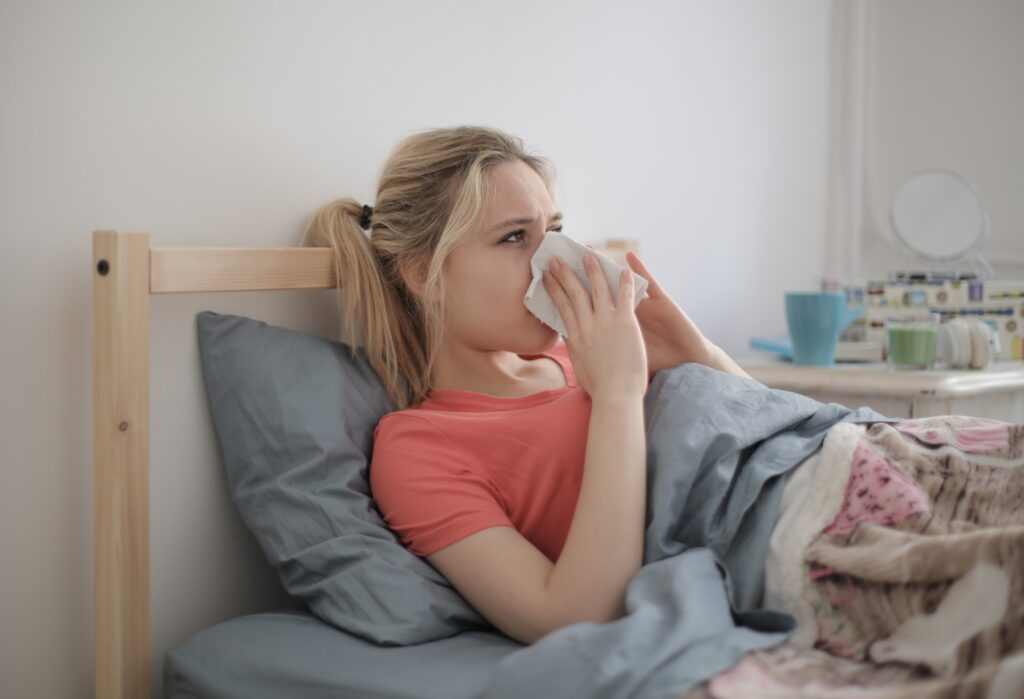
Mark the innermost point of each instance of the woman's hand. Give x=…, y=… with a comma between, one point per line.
x=604, y=339
x=670, y=337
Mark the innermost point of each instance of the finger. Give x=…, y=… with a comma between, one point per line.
x=562, y=303
x=626, y=291
x=600, y=291
x=653, y=288
x=578, y=296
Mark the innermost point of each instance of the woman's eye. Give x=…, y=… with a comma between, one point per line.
x=521, y=233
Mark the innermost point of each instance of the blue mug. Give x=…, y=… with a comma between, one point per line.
x=815, y=322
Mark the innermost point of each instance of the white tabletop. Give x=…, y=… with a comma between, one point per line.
x=869, y=378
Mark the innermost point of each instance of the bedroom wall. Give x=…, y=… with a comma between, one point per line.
x=698, y=128
x=927, y=83
x=947, y=92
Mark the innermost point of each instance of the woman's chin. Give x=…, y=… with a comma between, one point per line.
x=549, y=336
x=552, y=336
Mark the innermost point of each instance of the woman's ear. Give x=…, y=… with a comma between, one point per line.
x=414, y=274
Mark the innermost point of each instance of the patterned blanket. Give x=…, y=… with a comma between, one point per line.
x=900, y=551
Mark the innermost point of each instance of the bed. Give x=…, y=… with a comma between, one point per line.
x=285, y=652
x=688, y=619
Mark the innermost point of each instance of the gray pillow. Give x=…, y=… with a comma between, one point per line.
x=295, y=416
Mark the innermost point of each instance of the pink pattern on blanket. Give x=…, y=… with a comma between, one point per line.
x=968, y=434
x=876, y=492
x=752, y=677
x=749, y=677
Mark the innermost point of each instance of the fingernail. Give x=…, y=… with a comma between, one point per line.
x=555, y=263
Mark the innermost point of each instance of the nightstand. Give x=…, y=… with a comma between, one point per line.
x=996, y=392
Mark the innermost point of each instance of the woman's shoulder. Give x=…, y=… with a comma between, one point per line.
x=407, y=424
x=406, y=445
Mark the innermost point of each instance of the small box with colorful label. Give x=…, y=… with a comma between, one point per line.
x=998, y=303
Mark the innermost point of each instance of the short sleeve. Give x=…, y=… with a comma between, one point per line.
x=425, y=487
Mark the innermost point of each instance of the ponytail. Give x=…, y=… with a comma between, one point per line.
x=373, y=315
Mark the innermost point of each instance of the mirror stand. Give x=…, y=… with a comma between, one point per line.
x=938, y=216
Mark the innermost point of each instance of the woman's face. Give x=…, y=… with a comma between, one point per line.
x=488, y=273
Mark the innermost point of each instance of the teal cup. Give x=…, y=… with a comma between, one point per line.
x=815, y=321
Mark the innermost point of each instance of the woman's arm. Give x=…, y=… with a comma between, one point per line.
x=670, y=337
x=604, y=548
x=718, y=359
x=515, y=587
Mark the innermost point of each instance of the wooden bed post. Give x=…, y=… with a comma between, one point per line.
x=120, y=370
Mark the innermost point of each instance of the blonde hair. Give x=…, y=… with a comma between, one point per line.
x=431, y=194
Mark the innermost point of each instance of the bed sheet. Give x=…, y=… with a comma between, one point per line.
x=291, y=653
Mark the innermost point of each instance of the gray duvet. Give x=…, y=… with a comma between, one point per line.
x=719, y=447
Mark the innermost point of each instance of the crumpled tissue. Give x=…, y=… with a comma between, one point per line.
x=539, y=302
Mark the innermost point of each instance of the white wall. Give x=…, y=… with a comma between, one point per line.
x=944, y=89
x=697, y=127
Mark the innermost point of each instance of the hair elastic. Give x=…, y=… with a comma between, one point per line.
x=367, y=213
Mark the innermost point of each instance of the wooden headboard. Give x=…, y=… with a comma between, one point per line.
x=126, y=270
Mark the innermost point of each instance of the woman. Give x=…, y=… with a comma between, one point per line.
x=435, y=296
x=516, y=463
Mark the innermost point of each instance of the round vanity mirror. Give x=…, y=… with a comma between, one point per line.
x=938, y=215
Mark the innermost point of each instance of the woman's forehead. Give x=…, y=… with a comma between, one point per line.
x=515, y=189
x=517, y=213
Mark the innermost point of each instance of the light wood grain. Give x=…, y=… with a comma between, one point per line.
x=174, y=270
x=120, y=372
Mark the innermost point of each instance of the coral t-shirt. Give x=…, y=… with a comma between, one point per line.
x=463, y=461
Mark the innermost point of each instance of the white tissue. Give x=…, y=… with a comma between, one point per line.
x=539, y=302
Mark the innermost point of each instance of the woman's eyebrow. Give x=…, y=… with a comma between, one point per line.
x=523, y=219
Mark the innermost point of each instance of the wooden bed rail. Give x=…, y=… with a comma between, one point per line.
x=125, y=272
x=175, y=270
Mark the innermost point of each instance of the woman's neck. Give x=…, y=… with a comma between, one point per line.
x=502, y=374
